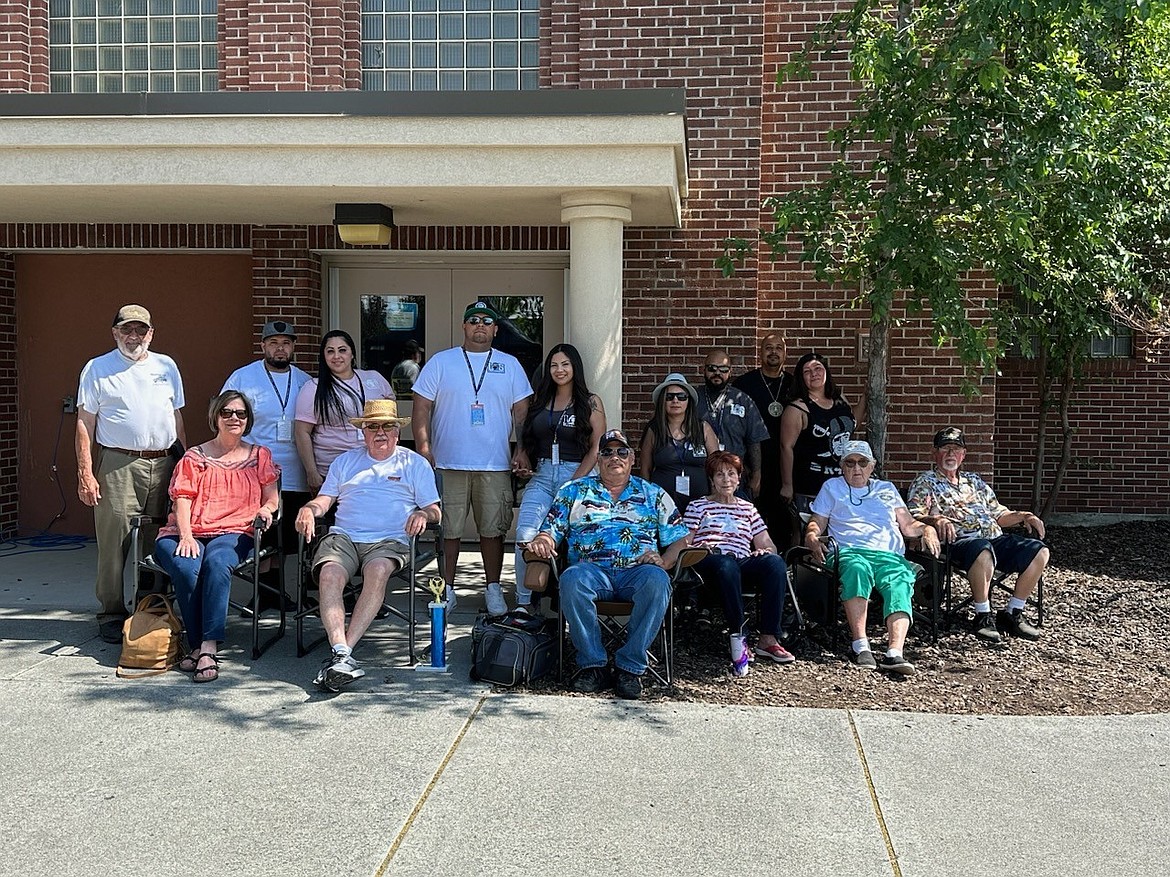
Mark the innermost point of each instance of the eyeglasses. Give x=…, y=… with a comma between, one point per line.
x=237, y=413
x=140, y=331
x=675, y=397
x=610, y=452
x=380, y=427
x=854, y=464
x=722, y=369
x=475, y=321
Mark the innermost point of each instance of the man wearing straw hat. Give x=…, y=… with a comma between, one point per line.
x=385, y=494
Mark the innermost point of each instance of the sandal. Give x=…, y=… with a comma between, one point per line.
x=188, y=663
x=207, y=674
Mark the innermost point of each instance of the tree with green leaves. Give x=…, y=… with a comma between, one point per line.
x=1027, y=140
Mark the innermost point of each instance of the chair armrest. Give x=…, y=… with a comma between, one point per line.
x=143, y=520
x=688, y=557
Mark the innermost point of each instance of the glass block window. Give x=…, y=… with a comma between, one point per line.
x=132, y=45
x=450, y=45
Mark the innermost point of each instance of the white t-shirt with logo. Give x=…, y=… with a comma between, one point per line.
x=273, y=396
x=134, y=401
x=375, y=497
x=864, y=517
x=462, y=437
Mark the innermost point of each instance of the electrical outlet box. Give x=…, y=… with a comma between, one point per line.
x=69, y=405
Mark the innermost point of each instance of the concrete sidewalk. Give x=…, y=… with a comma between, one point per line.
x=417, y=774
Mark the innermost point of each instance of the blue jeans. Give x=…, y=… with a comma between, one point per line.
x=646, y=586
x=765, y=574
x=538, y=499
x=203, y=583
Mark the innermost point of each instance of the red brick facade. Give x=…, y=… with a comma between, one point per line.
x=747, y=139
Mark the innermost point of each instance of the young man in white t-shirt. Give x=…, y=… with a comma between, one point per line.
x=467, y=402
x=385, y=495
x=128, y=417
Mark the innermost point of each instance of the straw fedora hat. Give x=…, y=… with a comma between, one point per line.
x=380, y=411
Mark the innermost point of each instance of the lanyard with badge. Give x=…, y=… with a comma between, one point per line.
x=682, y=483
x=555, y=427
x=477, y=411
x=359, y=396
x=284, y=425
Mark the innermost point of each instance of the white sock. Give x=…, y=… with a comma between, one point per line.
x=738, y=646
x=860, y=645
x=342, y=649
x=1016, y=603
x=893, y=653
x=983, y=607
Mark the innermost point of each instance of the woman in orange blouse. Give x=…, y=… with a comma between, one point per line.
x=219, y=488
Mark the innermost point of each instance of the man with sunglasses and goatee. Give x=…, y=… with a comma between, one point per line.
x=623, y=533
x=128, y=417
x=467, y=401
x=735, y=418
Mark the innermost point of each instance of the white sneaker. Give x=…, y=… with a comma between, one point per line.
x=342, y=670
x=452, y=600
x=496, y=604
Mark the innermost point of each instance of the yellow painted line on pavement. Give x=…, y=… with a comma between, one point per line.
x=877, y=807
x=402, y=832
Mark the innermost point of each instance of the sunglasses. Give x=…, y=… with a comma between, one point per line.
x=237, y=413
x=380, y=427
x=721, y=369
x=854, y=464
x=141, y=332
x=612, y=452
x=675, y=397
x=475, y=321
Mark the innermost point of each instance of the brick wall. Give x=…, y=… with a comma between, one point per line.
x=9, y=410
x=24, y=45
x=290, y=45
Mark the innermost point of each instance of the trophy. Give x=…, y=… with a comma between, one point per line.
x=438, y=607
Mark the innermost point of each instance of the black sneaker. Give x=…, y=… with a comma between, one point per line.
x=627, y=685
x=897, y=665
x=591, y=680
x=864, y=660
x=110, y=631
x=985, y=629
x=1013, y=622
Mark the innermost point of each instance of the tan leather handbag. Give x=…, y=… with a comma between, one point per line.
x=150, y=639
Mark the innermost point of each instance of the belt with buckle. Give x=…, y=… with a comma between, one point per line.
x=145, y=455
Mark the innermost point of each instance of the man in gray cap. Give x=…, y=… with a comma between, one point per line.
x=966, y=512
x=467, y=400
x=129, y=415
x=271, y=385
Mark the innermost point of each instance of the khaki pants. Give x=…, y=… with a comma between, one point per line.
x=130, y=486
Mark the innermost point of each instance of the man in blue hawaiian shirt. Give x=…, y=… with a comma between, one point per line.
x=623, y=534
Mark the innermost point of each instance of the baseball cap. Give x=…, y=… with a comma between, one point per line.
x=952, y=435
x=133, y=314
x=277, y=327
x=480, y=307
x=858, y=449
x=613, y=435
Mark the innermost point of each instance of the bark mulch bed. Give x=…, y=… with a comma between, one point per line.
x=1103, y=651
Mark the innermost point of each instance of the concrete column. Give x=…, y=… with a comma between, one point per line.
x=594, y=306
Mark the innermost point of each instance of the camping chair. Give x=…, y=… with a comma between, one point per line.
x=247, y=571
x=422, y=552
x=999, y=582
x=613, y=617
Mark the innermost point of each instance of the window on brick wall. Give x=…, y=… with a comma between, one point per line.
x=1117, y=343
x=133, y=45
x=450, y=45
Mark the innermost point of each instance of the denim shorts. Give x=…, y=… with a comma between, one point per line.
x=1011, y=552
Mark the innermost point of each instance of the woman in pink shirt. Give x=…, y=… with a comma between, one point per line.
x=219, y=488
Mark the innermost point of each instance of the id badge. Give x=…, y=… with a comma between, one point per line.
x=556, y=454
x=284, y=430
x=478, y=417
x=682, y=484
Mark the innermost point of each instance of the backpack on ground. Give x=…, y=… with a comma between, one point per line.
x=150, y=639
x=513, y=649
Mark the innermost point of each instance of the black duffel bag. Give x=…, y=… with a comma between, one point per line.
x=513, y=649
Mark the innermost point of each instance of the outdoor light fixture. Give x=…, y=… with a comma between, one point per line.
x=363, y=224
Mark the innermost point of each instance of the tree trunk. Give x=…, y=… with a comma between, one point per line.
x=1066, y=429
x=1044, y=386
x=876, y=405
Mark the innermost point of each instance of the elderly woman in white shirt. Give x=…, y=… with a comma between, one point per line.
x=868, y=518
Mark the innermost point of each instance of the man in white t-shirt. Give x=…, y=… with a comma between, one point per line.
x=467, y=402
x=385, y=494
x=271, y=385
x=128, y=418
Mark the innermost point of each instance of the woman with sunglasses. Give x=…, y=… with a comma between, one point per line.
x=742, y=553
x=676, y=442
x=219, y=488
x=327, y=402
x=814, y=427
x=560, y=433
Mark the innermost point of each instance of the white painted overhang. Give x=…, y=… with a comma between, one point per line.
x=285, y=158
